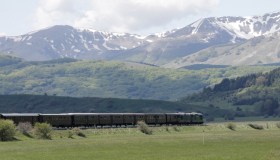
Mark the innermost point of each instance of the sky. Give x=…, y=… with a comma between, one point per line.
x=133, y=16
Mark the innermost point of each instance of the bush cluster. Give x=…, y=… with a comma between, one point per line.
x=231, y=126
x=7, y=130
x=278, y=125
x=256, y=126
x=144, y=128
x=78, y=132
x=176, y=128
x=43, y=130
x=25, y=128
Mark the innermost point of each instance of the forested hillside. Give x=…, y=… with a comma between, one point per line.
x=68, y=77
x=57, y=104
x=257, y=94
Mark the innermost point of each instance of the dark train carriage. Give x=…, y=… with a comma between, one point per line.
x=160, y=118
x=188, y=118
x=105, y=119
x=22, y=117
x=57, y=120
x=85, y=119
x=155, y=118
x=175, y=118
x=117, y=118
x=196, y=118
x=139, y=117
x=129, y=119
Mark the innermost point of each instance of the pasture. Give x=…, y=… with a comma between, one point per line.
x=166, y=143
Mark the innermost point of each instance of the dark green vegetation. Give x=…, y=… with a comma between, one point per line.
x=220, y=143
x=7, y=130
x=56, y=104
x=43, y=130
x=68, y=77
x=255, y=94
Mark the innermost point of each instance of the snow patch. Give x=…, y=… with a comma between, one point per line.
x=77, y=50
x=17, y=38
x=96, y=47
x=196, y=26
x=122, y=47
x=105, y=45
x=53, y=47
x=63, y=47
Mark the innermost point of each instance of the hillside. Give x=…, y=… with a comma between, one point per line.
x=57, y=104
x=257, y=94
x=69, y=77
x=260, y=50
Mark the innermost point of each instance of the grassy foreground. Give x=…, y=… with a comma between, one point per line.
x=170, y=143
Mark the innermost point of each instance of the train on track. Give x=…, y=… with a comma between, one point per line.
x=105, y=119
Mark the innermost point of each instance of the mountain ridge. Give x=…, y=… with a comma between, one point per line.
x=157, y=49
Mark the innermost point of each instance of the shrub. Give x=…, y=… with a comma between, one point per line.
x=25, y=128
x=256, y=126
x=144, y=128
x=70, y=134
x=176, y=128
x=78, y=132
x=7, y=130
x=231, y=126
x=167, y=129
x=278, y=125
x=43, y=130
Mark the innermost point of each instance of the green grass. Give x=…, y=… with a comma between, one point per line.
x=127, y=144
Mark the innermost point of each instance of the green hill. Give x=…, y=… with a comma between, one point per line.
x=255, y=94
x=57, y=104
x=68, y=77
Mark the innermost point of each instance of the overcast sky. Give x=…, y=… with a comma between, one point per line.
x=134, y=16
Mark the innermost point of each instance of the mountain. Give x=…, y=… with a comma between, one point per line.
x=165, y=49
x=90, y=78
x=256, y=51
x=250, y=95
x=65, y=41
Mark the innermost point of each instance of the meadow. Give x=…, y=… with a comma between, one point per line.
x=211, y=142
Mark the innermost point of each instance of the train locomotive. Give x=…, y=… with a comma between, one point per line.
x=106, y=119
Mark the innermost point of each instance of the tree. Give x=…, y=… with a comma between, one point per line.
x=43, y=130
x=269, y=106
x=7, y=130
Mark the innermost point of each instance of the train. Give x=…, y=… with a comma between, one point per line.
x=105, y=119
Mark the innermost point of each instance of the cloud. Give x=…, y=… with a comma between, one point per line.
x=118, y=15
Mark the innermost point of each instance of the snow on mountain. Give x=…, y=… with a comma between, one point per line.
x=237, y=27
x=159, y=49
x=66, y=41
x=256, y=51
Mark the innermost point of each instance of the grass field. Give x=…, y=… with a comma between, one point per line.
x=181, y=143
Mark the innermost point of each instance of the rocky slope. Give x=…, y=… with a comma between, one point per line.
x=166, y=49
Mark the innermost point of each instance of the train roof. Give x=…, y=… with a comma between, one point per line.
x=176, y=113
x=67, y=114
x=19, y=114
x=55, y=114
